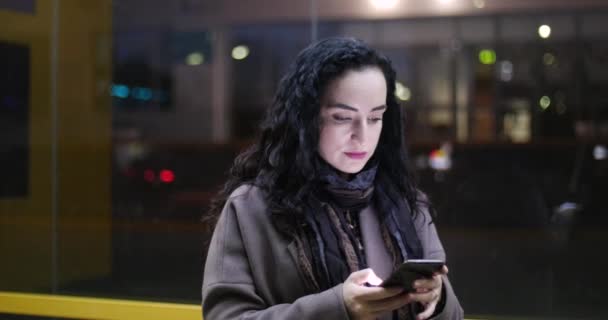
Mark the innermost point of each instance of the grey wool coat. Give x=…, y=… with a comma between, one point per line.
x=251, y=271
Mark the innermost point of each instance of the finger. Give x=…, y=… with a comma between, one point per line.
x=425, y=297
x=373, y=279
x=376, y=293
x=431, y=284
x=428, y=311
x=363, y=276
x=389, y=304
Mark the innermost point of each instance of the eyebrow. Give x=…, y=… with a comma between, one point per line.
x=347, y=107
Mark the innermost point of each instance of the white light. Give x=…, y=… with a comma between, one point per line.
x=600, y=152
x=544, y=31
x=506, y=71
x=384, y=4
x=440, y=159
x=402, y=92
x=479, y=4
x=195, y=59
x=240, y=52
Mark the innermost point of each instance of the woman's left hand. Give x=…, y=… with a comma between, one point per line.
x=428, y=293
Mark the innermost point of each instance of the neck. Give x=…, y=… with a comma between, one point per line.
x=344, y=175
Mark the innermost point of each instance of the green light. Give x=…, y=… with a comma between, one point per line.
x=544, y=102
x=195, y=58
x=240, y=52
x=487, y=56
x=402, y=92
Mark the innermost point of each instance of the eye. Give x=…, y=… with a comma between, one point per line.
x=340, y=118
x=375, y=119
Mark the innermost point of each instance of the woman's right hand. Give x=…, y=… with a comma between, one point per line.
x=365, y=303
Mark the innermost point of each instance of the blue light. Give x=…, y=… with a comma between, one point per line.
x=120, y=91
x=142, y=93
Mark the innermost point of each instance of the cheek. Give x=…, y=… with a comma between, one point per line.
x=330, y=140
x=376, y=135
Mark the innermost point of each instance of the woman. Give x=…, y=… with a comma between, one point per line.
x=323, y=206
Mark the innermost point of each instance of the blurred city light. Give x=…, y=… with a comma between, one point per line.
x=149, y=175
x=167, y=176
x=440, y=159
x=402, y=92
x=120, y=91
x=195, y=58
x=544, y=102
x=487, y=56
x=240, y=52
x=139, y=93
x=548, y=59
x=600, y=152
x=479, y=4
x=506, y=71
x=544, y=31
x=384, y=4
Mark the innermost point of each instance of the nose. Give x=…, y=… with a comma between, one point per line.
x=359, y=131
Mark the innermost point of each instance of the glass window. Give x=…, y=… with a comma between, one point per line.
x=119, y=121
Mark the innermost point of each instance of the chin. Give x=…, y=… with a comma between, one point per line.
x=351, y=169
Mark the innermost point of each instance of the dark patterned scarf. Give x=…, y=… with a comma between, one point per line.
x=331, y=241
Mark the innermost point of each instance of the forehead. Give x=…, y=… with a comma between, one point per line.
x=362, y=89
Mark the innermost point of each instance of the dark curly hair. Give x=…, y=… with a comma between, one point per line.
x=284, y=161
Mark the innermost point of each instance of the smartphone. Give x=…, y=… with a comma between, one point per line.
x=412, y=270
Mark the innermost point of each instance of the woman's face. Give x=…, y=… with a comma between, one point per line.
x=351, y=118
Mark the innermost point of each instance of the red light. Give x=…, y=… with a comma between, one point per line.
x=437, y=153
x=149, y=175
x=167, y=176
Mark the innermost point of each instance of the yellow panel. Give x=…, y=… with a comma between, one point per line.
x=110, y=309
x=25, y=223
x=95, y=308
x=84, y=153
x=83, y=68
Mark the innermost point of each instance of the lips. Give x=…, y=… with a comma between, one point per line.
x=356, y=155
